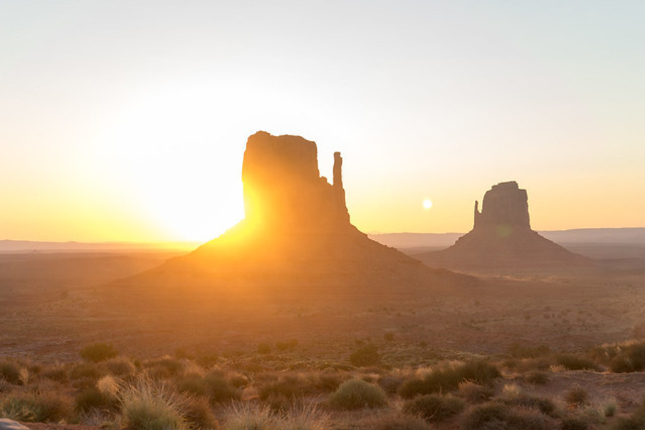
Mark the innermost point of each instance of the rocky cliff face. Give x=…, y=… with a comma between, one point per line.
x=502, y=238
x=505, y=204
x=283, y=188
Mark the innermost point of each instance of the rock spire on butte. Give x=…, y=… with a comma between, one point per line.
x=502, y=238
x=296, y=235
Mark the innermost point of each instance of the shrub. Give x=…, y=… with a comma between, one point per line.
x=264, y=348
x=199, y=415
x=486, y=415
x=390, y=384
x=193, y=384
x=246, y=416
x=574, y=362
x=630, y=359
x=576, y=396
x=389, y=336
x=475, y=393
x=366, y=355
x=10, y=372
x=290, y=344
x=542, y=404
x=93, y=398
x=172, y=365
x=56, y=373
x=97, y=352
x=287, y=386
x=47, y=406
x=501, y=416
x=149, y=406
x=572, y=423
x=434, y=407
x=356, y=394
x=518, y=351
x=398, y=422
x=219, y=390
x=449, y=378
x=119, y=366
x=537, y=377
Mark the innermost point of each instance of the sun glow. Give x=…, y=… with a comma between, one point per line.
x=427, y=204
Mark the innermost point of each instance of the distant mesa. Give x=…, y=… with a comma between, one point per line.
x=502, y=238
x=296, y=235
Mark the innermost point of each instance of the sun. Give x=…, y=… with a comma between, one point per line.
x=427, y=204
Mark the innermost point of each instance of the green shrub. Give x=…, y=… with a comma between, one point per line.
x=449, y=378
x=366, y=355
x=97, y=352
x=574, y=362
x=434, y=407
x=356, y=394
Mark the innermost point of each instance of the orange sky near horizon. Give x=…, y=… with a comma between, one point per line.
x=128, y=123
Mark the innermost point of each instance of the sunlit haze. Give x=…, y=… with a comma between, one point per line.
x=127, y=121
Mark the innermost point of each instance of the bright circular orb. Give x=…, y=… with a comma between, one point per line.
x=427, y=204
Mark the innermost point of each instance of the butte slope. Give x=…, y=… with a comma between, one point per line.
x=296, y=237
x=502, y=238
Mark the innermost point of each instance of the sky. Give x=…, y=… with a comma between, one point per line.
x=127, y=120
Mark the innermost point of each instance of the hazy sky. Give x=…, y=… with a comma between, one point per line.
x=127, y=120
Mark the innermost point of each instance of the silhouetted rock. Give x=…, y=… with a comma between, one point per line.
x=502, y=238
x=283, y=188
x=296, y=233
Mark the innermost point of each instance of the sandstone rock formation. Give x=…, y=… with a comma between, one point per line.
x=502, y=238
x=296, y=234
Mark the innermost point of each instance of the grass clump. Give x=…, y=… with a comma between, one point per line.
x=150, y=406
x=576, y=396
x=475, y=393
x=45, y=406
x=365, y=355
x=398, y=422
x=247, y=416
x=537, y=377
x=495, y=415
x=219, y=389
x=434, y=407
x=573, y=423
x=98, y=352
x=575, y=362
x=449, y=378
x=93, y=398
x=356, y=394
x=10, y=372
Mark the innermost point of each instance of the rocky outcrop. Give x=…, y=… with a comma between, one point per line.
x=504, y=205
x=296, y=234
x=502, y=238
x=283, y=189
